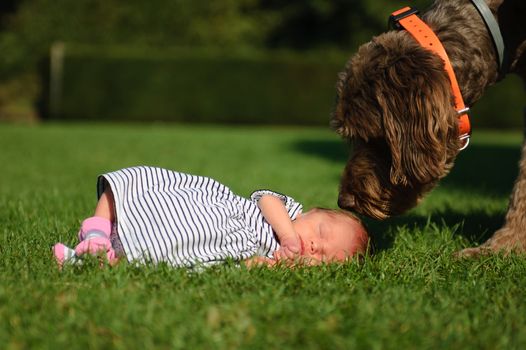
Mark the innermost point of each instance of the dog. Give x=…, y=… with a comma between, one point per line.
x=395, y=105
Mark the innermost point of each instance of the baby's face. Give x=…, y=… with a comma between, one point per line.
x=327, y=236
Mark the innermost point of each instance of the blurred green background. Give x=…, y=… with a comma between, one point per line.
x=237, y=61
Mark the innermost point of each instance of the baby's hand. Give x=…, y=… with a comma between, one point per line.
x=290, y=248
x=259, y=261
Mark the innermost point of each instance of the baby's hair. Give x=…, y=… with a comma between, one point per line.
x=340, y=212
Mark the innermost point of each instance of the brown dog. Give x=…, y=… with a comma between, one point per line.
x=395, y=104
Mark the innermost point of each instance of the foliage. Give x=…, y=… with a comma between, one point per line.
x=306, y=24
x=197, y=86
x=412, y=294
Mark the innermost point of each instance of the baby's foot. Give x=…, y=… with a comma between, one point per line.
x=64, y=255
x=93, y=244
x=97, y=244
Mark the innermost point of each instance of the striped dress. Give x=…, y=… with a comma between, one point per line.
x=187, y=220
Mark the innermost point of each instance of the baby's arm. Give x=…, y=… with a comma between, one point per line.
x=276, y=214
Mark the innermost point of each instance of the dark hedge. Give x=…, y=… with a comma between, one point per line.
x=199, y=86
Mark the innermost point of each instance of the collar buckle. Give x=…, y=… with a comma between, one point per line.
x=394, y=19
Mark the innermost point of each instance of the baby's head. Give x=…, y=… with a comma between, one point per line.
x=330, y=235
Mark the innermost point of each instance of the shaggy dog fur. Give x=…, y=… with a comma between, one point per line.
x=395, y=105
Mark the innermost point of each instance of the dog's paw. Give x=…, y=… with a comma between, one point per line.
x=472, y=253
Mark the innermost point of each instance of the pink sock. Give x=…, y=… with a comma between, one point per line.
x=97, y=224
x=94, y=236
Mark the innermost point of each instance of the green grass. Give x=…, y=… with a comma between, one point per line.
x=412, y=294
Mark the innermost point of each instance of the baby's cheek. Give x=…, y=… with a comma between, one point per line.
x=340, y=256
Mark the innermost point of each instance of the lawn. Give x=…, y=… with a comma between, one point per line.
x=411, y=294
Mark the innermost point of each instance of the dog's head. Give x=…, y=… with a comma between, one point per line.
x=395, y=105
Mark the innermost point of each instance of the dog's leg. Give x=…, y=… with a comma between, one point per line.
x=512, y=236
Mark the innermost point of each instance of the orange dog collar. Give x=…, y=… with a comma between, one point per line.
x=407, y=19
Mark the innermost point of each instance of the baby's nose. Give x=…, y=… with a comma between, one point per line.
x=314, y=252
x=313, y=247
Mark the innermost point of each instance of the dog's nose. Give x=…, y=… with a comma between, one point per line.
x=346, y=201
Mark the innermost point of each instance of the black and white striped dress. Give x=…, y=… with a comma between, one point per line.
x=187, y=220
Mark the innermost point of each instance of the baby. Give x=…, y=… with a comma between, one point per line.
x=154, y=215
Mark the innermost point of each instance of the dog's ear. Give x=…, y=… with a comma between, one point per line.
x=353, y=116
x=340, y=118
x=418, y=118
